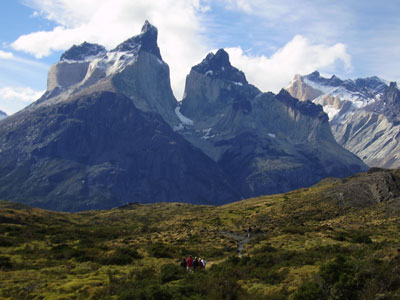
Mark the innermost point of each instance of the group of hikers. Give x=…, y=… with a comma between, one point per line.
x=190, y=264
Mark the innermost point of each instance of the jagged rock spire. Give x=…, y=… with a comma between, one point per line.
x=218, y=65
x=146, y=41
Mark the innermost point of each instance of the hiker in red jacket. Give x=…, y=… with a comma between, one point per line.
x=189, y=264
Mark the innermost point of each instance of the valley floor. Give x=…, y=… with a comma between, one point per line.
x=302, y=246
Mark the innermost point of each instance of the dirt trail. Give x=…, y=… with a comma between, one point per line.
x=242, y=240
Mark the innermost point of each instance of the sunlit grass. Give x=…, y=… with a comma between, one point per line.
x=100, y=254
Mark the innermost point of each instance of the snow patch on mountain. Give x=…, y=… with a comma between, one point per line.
x=112, y=63
x=331, y=111
x=207, y=134
x=182, y=118
x=357, y=100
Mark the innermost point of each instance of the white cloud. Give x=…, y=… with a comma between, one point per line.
x=13, y=99
x=299, y=56
x=272, y=9
x=180, y=24
x=6, y=55
x=111, y=22
x=320, y=22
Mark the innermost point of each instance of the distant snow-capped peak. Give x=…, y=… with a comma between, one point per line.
x=337, y=95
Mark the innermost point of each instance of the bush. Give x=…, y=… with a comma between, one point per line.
x=294, y=229
x=331, y=271
x=309, y=291
x=62, y=251
x=117, y=259
x=345, y=288
x=170, y=272
x=361, y=238
x=143, y=274
x=340, y=236
x=122, y=256
x=265, y=248
x=340, y=278
x=5, y=262
x=159, y=250
x=4, y=242
x=151, y=292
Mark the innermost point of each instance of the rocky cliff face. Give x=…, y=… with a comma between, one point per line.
x=134, y=68
x=266, y=143
x=101, y=136
x=109, y=131
x=363, y=113
x=100, y=151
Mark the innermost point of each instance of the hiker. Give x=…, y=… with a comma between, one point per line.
x=200, y=264
x=248, y=231
x=183, y=263
x=195, y=263
x=189, y=264
x=204, y=262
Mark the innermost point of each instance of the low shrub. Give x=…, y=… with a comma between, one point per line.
x=5, y=242
x=171, y=272
x=5, y=262
x=295, y=229
x=309, y=291
x=340, y=236
x=122, y=256
x=160, y=250
x=361, y=238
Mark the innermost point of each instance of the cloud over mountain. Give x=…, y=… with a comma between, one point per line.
x=298, y=55
x=183, y=26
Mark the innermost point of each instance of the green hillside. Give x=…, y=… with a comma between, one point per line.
x=336, y=240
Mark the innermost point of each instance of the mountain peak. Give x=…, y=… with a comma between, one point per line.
x=218, y=66
x=393, y=85
x=392, y=94
x=83, y=52
x=145, y=41
x=314, y=74
x=220, y=58
x=147, y=27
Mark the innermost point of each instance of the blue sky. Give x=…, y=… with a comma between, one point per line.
x=270, y=40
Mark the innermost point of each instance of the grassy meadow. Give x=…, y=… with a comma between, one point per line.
x=303, y=246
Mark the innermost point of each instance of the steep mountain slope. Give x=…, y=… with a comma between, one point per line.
x=98, y=138
x=134, y=68
x=99, y=151
x=266, y=143
x=364, y=114
x=108, y=131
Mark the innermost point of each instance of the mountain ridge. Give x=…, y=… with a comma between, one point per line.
x=265, y=141
x=363, y=114
x=225, y=141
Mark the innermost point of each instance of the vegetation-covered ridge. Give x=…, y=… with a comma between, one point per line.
x=323, y=242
